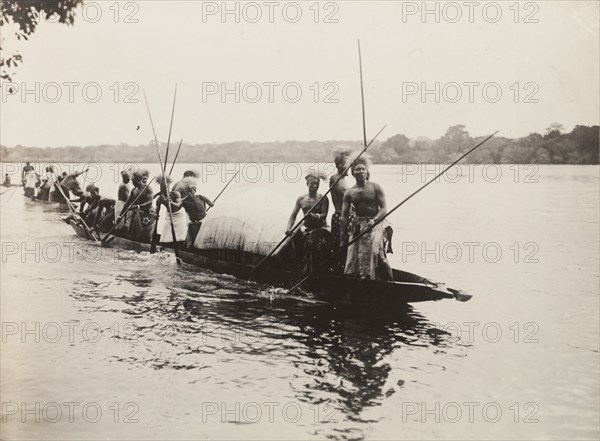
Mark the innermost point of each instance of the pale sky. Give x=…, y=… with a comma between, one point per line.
x=553, y=61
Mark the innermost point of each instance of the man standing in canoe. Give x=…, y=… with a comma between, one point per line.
x=314, y=241
x=123, y=192
x=366, y=257
x=195, y=207
x=140, y=219
x=342, y=161
x=29, y=179
x=178, y=184
x=177, y=214
x=48, y=184
x=70, y=183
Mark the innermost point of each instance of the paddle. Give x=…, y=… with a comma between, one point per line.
x=124, y=212
x=163, y=167
x=390, y=212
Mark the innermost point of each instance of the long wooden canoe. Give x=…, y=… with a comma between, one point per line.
x=406, y=287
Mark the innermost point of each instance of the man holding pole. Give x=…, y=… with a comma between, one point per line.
x=140, y=220
x=195, y=207
x=314, y=242
x=367, y=256
x=338, y=186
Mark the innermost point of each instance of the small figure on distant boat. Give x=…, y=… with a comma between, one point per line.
x=312, y=239
x=367, y=257
x=342, y=158
x=6, y=182
x=195, y=207
x=139, y=221
x=29, y=179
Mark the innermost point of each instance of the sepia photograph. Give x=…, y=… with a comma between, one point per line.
x=299, y=220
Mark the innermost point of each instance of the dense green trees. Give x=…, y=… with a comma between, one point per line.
x=580, y=146
x=25, y=16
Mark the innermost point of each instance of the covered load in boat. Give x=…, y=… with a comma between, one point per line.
x=246, y=226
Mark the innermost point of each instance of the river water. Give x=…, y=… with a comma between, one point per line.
x=98, y=344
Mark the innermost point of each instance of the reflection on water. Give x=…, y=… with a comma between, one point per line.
x=334, y=356
x=172, y=339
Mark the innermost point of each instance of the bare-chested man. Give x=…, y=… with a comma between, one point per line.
x=314, y=242
x=122, y=192
x=195, y=207
x=342, y=161
x=140, y=219
x=366, y=257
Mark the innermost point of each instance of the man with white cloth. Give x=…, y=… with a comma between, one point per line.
x=29, y=178
x=180, y=220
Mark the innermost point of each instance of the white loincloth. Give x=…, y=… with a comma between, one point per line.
x=180, y=222
x=30, y=179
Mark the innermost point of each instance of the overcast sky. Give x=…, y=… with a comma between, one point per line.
x=547, y=62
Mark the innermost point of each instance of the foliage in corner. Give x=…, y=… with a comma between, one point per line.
x=26, y=15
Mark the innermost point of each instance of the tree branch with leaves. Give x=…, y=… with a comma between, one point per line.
x=26, y=15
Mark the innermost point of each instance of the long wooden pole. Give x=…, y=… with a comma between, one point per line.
x=365, y=147
x=362, y=97
x=164, y=185
x=163, y=168
x=224, y=188
x=170, y=129
x=176, y=156
x=89, y=162
x=155, y=232
x=392, y=210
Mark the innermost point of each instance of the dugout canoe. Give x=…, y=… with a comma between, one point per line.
x=405, y=288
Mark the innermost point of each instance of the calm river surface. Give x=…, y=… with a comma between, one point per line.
x=126, y=345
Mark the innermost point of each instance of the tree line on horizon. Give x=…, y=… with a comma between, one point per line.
x=580, y=146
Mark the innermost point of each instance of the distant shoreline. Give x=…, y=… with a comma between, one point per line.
x=580, y=146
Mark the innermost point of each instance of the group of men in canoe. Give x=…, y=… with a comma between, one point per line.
x=45, y=187
x=135, y=214
x=358, y=211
